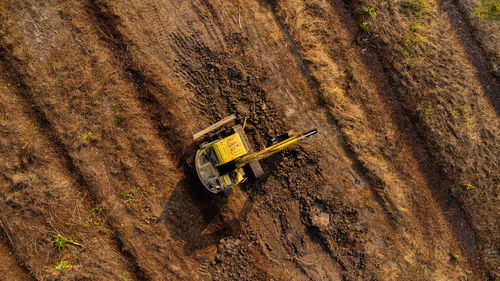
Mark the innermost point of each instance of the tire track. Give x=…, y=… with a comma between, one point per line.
x=475, y=52
x=9, y=65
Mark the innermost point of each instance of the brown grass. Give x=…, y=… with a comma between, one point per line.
x=140, y=86
x=429, y=70
x=68, y=89
x=486, y=32
x=353, y=95
x=464, y=126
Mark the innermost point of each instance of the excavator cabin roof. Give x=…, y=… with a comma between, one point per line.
x=229, y=148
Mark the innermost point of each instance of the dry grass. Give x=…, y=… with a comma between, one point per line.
x=353, y=98
x=93, y=78
x=70, y=88
x=308, y=31
x=430, y=71
x=486, y=32
x=464, y=125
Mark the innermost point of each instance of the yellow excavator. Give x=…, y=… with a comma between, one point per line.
x=226, y=162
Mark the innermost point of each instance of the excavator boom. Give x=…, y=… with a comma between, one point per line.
x=242, y=161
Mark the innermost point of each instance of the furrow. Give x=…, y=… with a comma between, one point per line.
x=11, y=266
x=363, y=171
x=359, y=73
x=165, y=121
x=376, y=183
x=46, y=127
x=474, y=50
x=414, y=80
x=38, y=115
x=414, y=137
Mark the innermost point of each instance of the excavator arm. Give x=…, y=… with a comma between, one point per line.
x=242, y=161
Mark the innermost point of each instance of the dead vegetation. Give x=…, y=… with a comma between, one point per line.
x=483, y=17
x=57, y=204
x=463, y=112
x=360, y=106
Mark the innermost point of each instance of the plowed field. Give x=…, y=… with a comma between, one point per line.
x=100, y=99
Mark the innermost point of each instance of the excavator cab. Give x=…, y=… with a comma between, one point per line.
x=210, y=158
x=221, y=164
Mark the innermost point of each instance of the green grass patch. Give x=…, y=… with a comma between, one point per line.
x=128, y=197
x=488, y=10
x=125, y=276
x=426, y=113
x=62, y=266
x=410, y=43
x=415, y=7
x=236, y=10
x=61, y=242
x=371, y=11
x=86, y=137
x=465, y=115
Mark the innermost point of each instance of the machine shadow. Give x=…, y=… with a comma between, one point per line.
x=198, y=217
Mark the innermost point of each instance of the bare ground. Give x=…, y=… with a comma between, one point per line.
x=100, y=99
